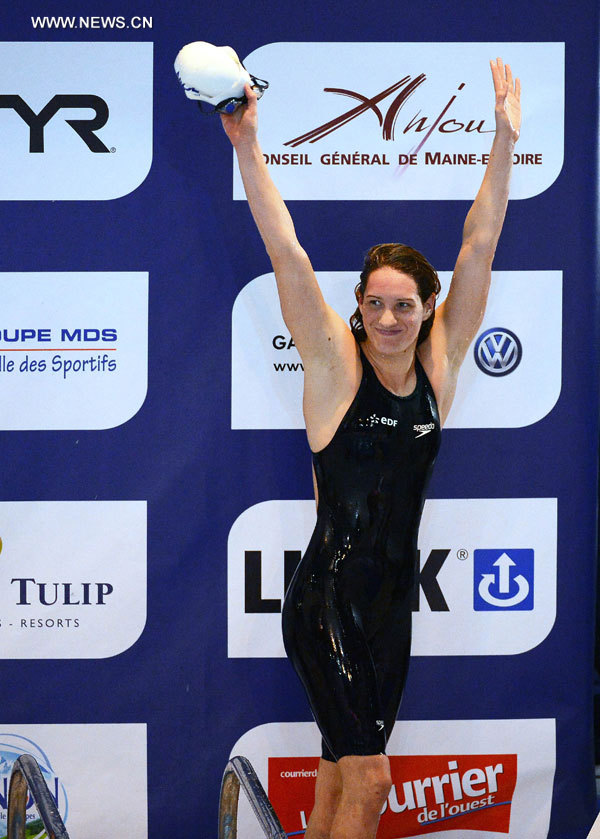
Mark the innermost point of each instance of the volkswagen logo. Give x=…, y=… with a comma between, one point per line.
x=498, y=351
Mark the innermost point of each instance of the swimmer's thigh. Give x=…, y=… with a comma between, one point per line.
x=390, y=648
x=329, y=651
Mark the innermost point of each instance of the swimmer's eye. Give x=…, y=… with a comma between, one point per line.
x=401, y=304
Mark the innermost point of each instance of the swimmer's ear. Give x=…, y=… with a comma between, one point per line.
x=429, y=307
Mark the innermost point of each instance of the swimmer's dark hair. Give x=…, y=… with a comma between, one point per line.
x=409, y=261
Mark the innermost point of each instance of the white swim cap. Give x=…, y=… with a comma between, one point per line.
x=215, y=75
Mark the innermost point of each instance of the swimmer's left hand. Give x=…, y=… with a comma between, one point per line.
x=242, y=125
x=508, y=99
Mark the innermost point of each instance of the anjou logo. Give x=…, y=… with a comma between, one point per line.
x=387, y=119
x=84, y=128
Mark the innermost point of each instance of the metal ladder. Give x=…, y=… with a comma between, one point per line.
x=26, y=777
x=239, y=772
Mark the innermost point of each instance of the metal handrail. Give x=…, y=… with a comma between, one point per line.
x=239, y=772
x=27, y=775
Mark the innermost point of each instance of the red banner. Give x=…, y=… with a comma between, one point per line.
x=429, y=793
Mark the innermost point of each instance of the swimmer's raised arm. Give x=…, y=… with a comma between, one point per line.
x=461, y=314
x=310, y=320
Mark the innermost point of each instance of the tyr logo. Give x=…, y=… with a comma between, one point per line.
x=387, y=120
x=85, y=128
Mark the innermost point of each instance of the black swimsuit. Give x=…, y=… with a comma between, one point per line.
x=347, y=612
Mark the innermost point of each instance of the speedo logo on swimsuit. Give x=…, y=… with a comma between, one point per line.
x=423, y=429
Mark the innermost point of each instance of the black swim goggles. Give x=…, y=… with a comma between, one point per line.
x=228, y=106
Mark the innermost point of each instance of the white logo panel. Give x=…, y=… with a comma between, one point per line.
x=494, y=592
x=267, y=369
x=405, y=121
x=487, y=584
x=531, y=743
x=72, y=578
x=255, y=560
x=73, y=349
x=96, y=775
x=75, y=119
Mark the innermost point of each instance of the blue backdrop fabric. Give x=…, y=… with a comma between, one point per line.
x=178, y=451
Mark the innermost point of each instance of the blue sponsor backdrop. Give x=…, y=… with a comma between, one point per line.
x=179, y=452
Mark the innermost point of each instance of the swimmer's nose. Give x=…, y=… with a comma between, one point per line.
x=387, y=318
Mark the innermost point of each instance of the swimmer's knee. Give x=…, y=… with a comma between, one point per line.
x=380, y=784
x=367, y=777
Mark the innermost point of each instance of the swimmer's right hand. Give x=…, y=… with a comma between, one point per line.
x=242, y=125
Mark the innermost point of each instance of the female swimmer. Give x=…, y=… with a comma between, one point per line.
x=375, y=397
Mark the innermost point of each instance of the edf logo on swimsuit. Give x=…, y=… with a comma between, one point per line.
x=503, y=579
x=374, y=419
x=75, y=119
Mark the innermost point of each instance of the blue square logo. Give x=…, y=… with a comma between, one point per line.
x=503, y=580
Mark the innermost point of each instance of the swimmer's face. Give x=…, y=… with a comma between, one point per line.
x=392, y=310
